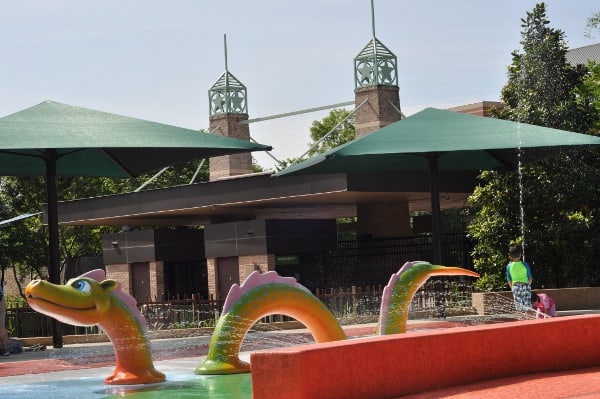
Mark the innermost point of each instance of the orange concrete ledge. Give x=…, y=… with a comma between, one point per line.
x=390, y=366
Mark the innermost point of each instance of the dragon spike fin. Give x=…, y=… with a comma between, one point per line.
x=96, y=274
x=99, y=275
x=255, y=279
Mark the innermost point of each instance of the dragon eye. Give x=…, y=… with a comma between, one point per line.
x=82, y=286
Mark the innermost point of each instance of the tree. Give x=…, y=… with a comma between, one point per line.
x=24, y=245
x=593, y=23
x=335, y=129
x=542, y=85
x=559, y=196
x=590, y=90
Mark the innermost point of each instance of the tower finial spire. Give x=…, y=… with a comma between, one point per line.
x=225, y=49
x=373, y=17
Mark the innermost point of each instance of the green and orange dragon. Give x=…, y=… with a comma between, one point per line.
x=91, y=300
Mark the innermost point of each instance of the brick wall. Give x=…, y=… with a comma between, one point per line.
x=157, y=280
x=248, y=264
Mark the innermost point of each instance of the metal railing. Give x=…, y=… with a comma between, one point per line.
x=437, y=294
x=23, y=322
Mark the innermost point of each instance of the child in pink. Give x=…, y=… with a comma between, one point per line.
x=544, y=304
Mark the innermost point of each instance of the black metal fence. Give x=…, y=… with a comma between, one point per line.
x=349, y=281
x=437, y=294
x=194, y=312
x=23, y=322
x=371, y=262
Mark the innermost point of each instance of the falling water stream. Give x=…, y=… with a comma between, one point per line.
x=520, y=174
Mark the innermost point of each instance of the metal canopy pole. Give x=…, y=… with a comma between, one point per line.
x=51, y=157
x=434, y=190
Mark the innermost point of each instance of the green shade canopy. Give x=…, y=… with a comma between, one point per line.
x=463, y=142
x=53, y=139
x=94, y=143
x=434, y=140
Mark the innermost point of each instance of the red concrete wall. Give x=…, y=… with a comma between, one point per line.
x=394, y=365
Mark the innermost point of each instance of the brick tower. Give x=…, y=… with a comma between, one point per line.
x=376, y=81
x=228, y=108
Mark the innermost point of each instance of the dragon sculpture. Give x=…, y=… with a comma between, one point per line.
x=265, y=294
x=90, y=300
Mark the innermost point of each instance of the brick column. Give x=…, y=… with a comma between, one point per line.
x=377, y=112
x=121, y=273
x=211, y=272
x=157, y=280
x=230, y=165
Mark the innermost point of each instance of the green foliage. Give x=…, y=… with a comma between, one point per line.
x=287, y=162
x=542, y=88
x=24, y=243
x=593, y=24
x=560, y=194
x=325, y=137
x=589, y=91
x=176, y=175
x=332, y=131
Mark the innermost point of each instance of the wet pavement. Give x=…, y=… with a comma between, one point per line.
x=78, y=370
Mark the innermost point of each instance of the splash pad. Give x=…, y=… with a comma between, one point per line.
x=266, y=376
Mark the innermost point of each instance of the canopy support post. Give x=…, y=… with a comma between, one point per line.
x=434, y=190
x=54, y=267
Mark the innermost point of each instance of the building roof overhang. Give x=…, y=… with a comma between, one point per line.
x=264, y=197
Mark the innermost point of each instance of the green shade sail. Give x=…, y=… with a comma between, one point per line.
x=461, y=142
x=53, y=139
x=94, y=143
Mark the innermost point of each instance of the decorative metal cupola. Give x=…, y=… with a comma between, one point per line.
x=375, y=64
x=227, y=95
x=376, y=91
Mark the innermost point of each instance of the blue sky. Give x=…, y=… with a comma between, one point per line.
x=156, y=60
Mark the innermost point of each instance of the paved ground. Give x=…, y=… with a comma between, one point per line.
x=76, y=364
